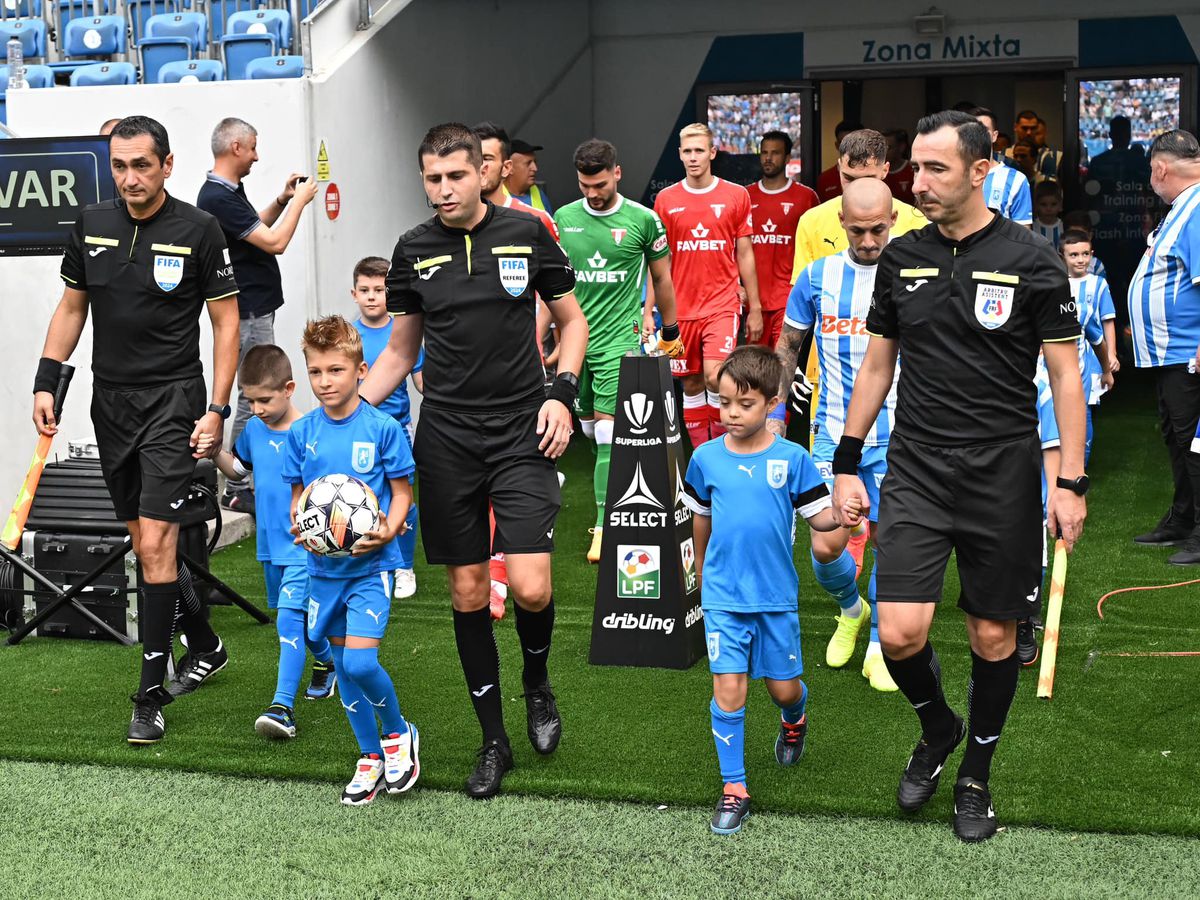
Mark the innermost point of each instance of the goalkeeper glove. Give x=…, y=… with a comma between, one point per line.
x=802, y=390
x=669, y=341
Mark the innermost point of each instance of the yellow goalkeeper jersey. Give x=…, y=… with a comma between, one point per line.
x=820, y=233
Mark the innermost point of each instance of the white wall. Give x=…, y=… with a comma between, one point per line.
x=277, y=109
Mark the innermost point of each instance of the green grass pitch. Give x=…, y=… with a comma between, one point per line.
x=1115, y=751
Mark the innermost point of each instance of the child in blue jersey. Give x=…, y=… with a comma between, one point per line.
x=745, y=489
x=265, y=376
x=350, y=597
x=1048, y=205
x=1094, y=306
x=375, y=326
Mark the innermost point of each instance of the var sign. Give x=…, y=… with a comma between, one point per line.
x=44, y=184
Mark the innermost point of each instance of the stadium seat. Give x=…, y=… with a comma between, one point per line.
x=104, y=74
x=196, y=70
x=66, y=10
x=275, y=67
x=238, y=50
x=37, y=76
x=139, y=13
x=95, y=36
x=276, y=22
x=30, y=32
x=170, y=38
x=219, y=12
x=20, y=9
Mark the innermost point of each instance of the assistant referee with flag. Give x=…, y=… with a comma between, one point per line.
x=468, y=281
x=968, y=301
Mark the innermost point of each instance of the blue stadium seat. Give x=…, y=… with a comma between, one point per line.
x=30, y=32
x=277, y=22
x=95, y=36
x=66, y=10
x=219, y=12
x=170, y=38
x=275, y=67
x=238, y=50
x=196, y=70
x=37, y=76
x=141, y=11
x=20, y=9
x=104, y=74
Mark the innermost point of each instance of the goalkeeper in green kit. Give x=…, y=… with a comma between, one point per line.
x=611, y=241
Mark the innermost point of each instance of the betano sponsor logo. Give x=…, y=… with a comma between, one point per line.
x=839, y=325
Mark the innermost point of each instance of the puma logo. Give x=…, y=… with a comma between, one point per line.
x=288, y=591
x=374, y=615
x=380, y=705
x=294, y=643
x=916, y=284
x=725, y=739
x=351, y=708
x=278, y=445
x=483, y=690
x=749, y=471
x=830, y=241
x=311, y=448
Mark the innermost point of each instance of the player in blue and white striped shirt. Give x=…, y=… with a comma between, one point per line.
x=1006, y=189
x=1164, y=320
x=1094, y=306
x=832, y=296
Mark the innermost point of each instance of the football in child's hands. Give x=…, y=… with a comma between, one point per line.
x=333, y=514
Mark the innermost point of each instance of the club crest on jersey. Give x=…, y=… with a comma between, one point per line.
x=168, y=271
x=993, y=304
x=777, y=470
x=514, y=274
x=619, y=234
x=787, y=208
x=362, y=457
x=714, y=646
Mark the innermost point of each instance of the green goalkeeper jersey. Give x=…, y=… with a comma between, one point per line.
x=609, y=252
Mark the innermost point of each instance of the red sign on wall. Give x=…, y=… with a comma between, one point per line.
x=333, y=201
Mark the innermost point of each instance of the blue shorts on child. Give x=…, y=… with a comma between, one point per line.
x=287, y=586
x=760, y=644
x=355, y=606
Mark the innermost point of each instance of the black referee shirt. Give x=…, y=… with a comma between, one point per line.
x=970, y=317
x=475, y=290
x=147, y=281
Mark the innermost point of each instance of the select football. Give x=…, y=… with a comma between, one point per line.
x=333, y=514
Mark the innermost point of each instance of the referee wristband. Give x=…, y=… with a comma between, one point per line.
x=847, y=456
x=563, y=391
x=48, y=372
x=670, y=332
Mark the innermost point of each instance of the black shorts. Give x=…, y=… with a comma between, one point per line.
x=982, y=502
x=143, y=436
x=465, y=460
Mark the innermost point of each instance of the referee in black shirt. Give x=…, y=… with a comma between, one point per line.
x=967, y=302
x=146, y=266
x=466, y=279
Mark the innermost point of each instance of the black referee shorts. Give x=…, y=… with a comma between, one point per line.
x=982, y=502
x=143, y=437
x=465, y=460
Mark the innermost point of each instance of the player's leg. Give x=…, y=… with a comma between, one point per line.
x=834, y=569
x=775, y=657
x=689, y=369
x=367, y=610
x=604, y=387
x=404, y=577
x=1003, y=510
x=585, y=410
x=278, y=720
x=497, y=571
x=525, y=498
x=719, y=340
x=915, y=539
x=252, y=331
x=728, y=639
x=872, y=471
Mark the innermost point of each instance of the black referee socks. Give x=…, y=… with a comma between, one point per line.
x=535, y=630
x=990, y=693
x=158, y=626
x=200, y=636
x=480, y=659
x=920, y=680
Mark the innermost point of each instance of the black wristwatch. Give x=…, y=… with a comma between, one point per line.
x=223, y=411
x=1078, y=485
x=570, y=378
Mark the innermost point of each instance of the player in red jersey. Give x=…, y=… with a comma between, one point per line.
x=776, y=204
x=708, y=230
x=829, y=182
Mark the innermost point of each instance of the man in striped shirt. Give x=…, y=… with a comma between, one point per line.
x=1005, y=190
x=1164, y=319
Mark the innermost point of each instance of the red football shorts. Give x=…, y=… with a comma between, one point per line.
x=712, y=338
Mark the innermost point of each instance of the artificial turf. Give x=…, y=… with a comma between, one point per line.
x=1115, y=750
x=92, y=832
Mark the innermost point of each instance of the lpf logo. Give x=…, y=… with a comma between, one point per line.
x=687, y=555
x=638, y=572
x=638, y=409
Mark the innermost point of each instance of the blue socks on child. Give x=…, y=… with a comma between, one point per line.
x=838, y=578
x=367, y=691
x=293, y=642
x=729, y=736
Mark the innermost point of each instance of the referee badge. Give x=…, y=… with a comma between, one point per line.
x=362, y=457
x=514, y=274
x=777, y=471
x=168, y=271
x=993, y=304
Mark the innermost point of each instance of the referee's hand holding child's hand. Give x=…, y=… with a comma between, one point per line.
x=851, y=512
x=205, y=442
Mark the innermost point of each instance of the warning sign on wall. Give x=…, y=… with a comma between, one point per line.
x=323, y=170
x=333, y=201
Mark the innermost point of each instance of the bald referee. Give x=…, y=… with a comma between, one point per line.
x=968, y=302
x=146, y=266
x=466, y=279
